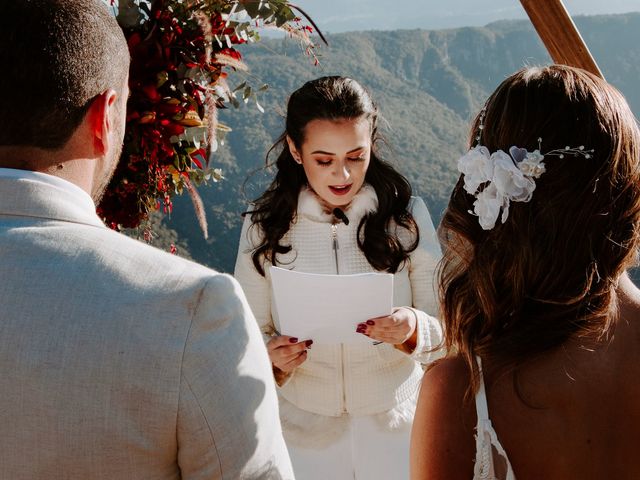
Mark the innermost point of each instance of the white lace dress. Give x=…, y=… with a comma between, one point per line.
x=491, y=459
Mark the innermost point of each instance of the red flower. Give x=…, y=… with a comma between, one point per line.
x=169, y=40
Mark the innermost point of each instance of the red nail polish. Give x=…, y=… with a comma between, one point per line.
x=308, y=343
x=293, y=340
x=370, y=322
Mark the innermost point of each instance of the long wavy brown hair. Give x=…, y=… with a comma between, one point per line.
x=549, y=273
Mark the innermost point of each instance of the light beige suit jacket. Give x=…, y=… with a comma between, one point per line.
x=119, y=361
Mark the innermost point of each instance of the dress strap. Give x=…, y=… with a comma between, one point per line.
x=482, y=410
x=487, y=443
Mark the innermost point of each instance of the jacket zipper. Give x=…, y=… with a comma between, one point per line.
x=336, y=246
x=334, y=237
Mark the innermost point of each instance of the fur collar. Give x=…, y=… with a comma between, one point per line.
x=310, y=206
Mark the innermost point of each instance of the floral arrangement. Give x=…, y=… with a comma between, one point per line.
x=505, y=177
x=181, y=54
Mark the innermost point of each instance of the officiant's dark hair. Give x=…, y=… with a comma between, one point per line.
x=548, y=273
x=334, y=98
x=57, y=56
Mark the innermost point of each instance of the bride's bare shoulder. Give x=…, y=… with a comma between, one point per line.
x=444, y=388
x=443, y=445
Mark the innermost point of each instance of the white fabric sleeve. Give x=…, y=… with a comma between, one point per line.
x=423, y=263
x=257, y=288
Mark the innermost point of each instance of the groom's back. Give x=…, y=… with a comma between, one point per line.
x=115, y=356
x=90, y=351
x=117, y=361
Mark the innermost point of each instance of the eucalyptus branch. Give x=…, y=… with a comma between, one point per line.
x=310, y=20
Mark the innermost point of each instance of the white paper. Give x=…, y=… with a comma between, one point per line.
x=328, y=308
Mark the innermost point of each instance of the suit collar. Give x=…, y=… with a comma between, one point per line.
x=38, y=195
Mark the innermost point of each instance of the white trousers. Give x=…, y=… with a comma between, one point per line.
x=365, y=451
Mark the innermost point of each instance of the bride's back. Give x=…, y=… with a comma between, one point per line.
x=575, y=413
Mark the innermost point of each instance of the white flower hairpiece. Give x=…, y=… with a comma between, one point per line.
x=506, y=177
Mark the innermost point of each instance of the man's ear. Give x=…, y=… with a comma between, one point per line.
x=294, y=151
x=101, y=116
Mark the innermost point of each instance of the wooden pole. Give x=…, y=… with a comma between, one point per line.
x=559, y=34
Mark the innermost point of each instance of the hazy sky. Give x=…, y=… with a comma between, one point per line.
x=334, y=16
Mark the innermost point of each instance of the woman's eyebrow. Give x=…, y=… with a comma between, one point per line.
x=322, y=152
x=356, y=149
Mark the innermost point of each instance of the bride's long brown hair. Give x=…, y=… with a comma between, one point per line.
x=549, y=272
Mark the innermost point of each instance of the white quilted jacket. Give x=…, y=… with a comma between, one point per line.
x=349, y=379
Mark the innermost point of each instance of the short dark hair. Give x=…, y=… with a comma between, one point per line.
x=57, y=56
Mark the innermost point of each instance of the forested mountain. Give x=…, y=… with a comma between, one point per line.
x=428, y=85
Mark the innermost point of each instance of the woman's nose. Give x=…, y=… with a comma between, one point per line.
x=343, y=171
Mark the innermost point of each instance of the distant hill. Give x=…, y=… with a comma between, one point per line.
x=428, y=84
x=336, y=16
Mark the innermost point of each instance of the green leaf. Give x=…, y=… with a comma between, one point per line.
x=240, y=87
x=252, y=8
x=144, y=6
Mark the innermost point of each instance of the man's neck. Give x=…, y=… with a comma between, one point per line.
x=22, y=157
x=52, y=162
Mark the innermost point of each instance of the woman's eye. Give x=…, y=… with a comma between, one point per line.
x=324, y=163
x=356, y=159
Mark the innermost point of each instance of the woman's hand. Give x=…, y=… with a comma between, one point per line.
x=286, y=353
x=397, y=328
